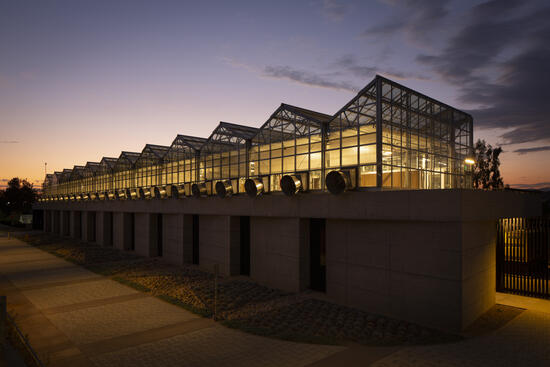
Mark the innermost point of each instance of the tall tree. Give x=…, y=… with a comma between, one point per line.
x=486, y=174
x=18, y=196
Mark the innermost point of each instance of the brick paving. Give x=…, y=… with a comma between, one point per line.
x=76, y=317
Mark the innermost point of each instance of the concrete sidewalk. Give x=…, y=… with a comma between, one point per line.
x=77, y=318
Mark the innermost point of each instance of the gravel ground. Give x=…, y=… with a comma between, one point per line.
x=241, y=303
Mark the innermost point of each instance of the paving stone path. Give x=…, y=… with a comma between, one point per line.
x=77, y=318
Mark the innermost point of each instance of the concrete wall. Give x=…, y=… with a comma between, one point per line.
x=426, y=256
x=279, y=252
x=104, y=228
x=146, y=227
x=56, y=222
x=219, y=242
x=122, y=231
x=89, y=226
x=440, y=274
x=48, y=227
x=75, y=224
x=177, y=238
x=65, y=223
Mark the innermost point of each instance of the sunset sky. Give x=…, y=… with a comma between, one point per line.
x=80, y=80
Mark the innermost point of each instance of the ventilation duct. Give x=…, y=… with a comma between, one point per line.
x=93, y=196
x=254, y=187
x=121, y=194
x=224, y=189
x=102, y=195
x=145, y=193
x=85, y=196
x=111, y=195
x=291, y=184
x=198, y=190
x=340, y=181
x=134, y=194
x=178, y=191
x=160, y=192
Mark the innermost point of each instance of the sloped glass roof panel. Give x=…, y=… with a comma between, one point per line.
x=227, y=136
x=184, y=146
x=125, y=161
x=151, y=154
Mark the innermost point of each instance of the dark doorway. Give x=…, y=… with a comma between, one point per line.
x=196, y=239
x=66, y=223
x=159, y=234
x=317, y=248
x=132, y=219
x=38, y=220
x=91, y=226
x=245, y=245
x=110, y=225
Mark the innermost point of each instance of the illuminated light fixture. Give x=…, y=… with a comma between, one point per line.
x=469, y=161
x=253, y=187
x=291, y=184
x=386, y=152
x=224, y=188
x=339, y=181
x=198, y=190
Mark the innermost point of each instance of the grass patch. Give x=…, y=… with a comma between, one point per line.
x=131, y=284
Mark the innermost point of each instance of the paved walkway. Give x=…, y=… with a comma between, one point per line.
x=77, y=318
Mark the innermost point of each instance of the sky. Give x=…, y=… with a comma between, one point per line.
x=83, y=79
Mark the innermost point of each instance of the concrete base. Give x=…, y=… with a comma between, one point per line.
x=48, y=227
x=104, y=228
x=123, y=231
x=177, y=238
x=146, y=227
x=219, y=243
x=88, y=226
x=437, y=274
x=75, y=224
x=279, y=251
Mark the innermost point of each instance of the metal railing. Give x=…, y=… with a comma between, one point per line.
x=523, y=256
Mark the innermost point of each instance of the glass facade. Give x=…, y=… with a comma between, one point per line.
x=387, y=137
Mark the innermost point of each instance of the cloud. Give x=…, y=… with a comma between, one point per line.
x=498, y=61
x=334, y=10
x=307, y=78
x=9, y=142
x=532, y=150
x=415, y=19
x=349, y=64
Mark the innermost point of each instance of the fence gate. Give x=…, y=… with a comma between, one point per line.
x=523, y=256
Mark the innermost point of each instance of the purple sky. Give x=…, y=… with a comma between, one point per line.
x=80, y=80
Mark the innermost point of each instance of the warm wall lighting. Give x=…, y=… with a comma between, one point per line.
x=469, y=161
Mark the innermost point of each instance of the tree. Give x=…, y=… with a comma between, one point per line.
x=486, y=174
x=17, y=198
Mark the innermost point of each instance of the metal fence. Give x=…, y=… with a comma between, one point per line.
x=523, y=256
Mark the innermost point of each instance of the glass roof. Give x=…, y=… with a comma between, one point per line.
x=184, y=146
x=126, y=160
x=151, y=154
x=227, y=136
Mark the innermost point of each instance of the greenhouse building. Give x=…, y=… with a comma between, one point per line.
x=372, y=205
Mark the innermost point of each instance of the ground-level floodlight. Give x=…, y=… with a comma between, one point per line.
x=159, y=192
x=198, y=190
x=224, y=188
x=253, y=187
x=338, y=181
x=291, y=184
